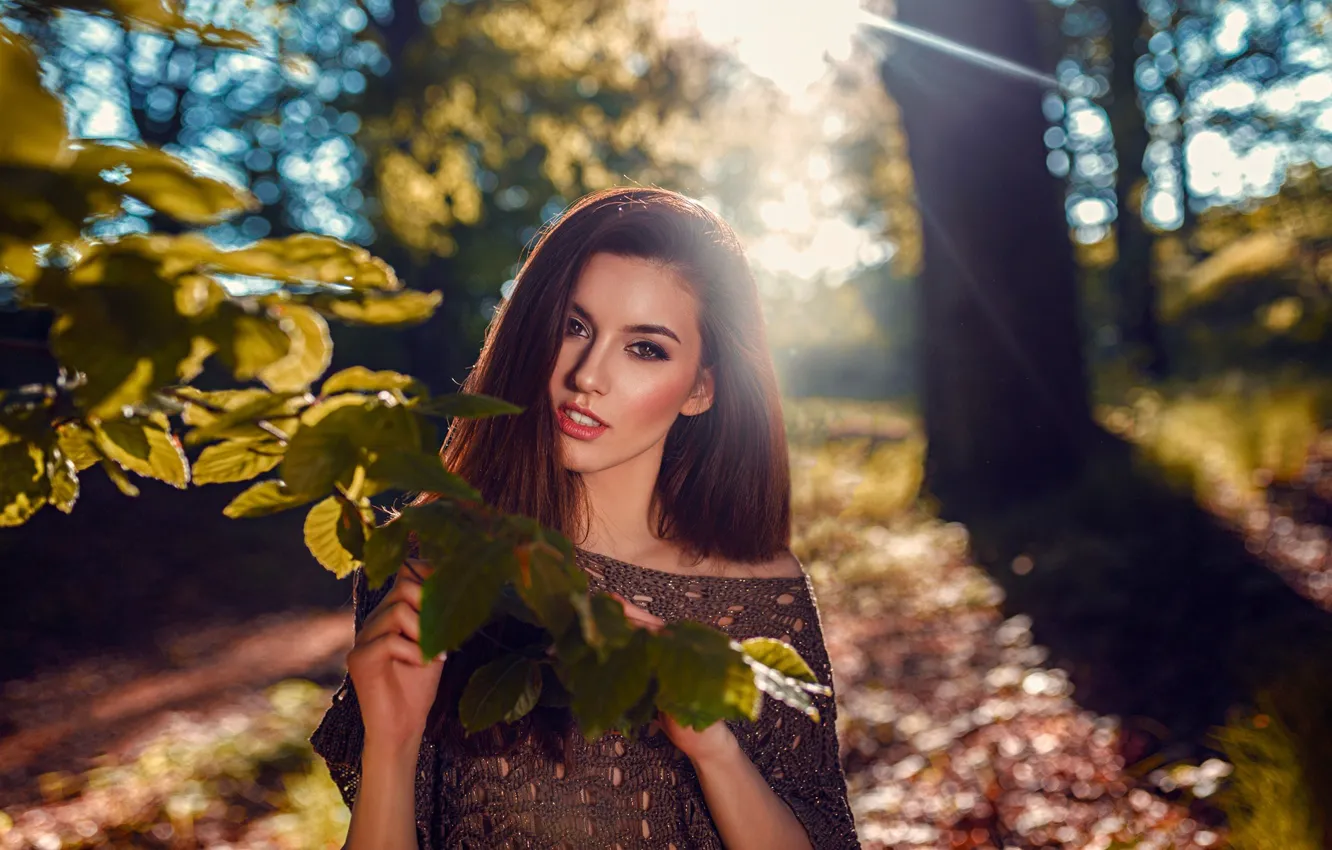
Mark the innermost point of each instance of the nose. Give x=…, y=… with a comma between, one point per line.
x=588, y=374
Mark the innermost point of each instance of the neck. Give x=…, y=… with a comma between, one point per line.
x=621, y=523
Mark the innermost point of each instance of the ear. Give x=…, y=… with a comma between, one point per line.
x=700, y=400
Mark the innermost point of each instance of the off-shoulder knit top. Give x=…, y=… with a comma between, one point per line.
x=614, y=792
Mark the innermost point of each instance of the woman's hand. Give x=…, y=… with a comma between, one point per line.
x=694, y=743
x=394, y=684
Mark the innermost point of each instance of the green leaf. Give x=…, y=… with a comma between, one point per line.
x=264, y=498
x=320, y=455
x=352, y=528
x=321, y=537
x=503, y=690
x=605, y=627
x=329, y=449
x=385, y=550
x=550, y=585
x=458, y=596
x=466, y=405
x=23, y=483
x=361, y=379
x=234, y=460
x=407, y=470
x=603, y=691
x=780, y=656
x=311, y=350
x=407, y=307
x=703, y=676
x=164, y=182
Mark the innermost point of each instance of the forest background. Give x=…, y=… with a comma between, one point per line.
x=1048, y=285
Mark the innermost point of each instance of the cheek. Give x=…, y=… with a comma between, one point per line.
x=655, y=399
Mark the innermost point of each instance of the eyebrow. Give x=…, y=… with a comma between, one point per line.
x=659, y=330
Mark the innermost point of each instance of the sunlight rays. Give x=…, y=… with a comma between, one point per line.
x=979, y=58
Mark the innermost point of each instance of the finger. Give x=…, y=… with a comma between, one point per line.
x=408, y=591
x=415, y=570
x=397, y=617
x=390, y=646
x=639, y=616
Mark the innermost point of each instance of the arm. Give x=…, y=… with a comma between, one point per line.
x=777, y=783
x=798, y=757
x=384, y=812
x=389, y=788
x=746, y=811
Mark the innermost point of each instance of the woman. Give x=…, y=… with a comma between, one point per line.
x=652, y=435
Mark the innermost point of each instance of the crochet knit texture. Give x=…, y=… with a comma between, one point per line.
x=614, y=792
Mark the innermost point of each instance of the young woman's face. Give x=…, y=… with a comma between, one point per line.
x=629, y=364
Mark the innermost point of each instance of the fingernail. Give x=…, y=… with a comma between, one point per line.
x=440, y=657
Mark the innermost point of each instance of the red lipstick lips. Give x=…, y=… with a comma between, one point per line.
x=579, y=430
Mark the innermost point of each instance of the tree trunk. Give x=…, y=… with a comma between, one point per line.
x=1004, y=385
x=1131, y=277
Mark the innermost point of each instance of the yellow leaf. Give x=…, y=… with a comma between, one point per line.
x=38, y=138
x=165, y=459
x=400, y=308
x=201, y=348
x=163, y=182
x=77, y=444
x=234, y=460
x=321, y=536
x=262, y=499
x=310, y=353
x=64, y=481
x=18, y=258
x=23, y=485
x=308, y=257
x=165, y=16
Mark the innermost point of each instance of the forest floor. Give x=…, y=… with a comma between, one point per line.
x=959, y=729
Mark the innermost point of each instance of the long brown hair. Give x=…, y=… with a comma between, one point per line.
x=724, y=484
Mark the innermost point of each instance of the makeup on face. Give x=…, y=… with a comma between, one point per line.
x=629, y=361
x=579, y=423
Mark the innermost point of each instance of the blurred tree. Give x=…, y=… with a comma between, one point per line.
x=1131, y=275
x=500, y=113
x=1004, y=387
x=278, y=118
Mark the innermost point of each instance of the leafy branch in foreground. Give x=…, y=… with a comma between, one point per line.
x=135, y=319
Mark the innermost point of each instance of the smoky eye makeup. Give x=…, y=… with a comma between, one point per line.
x=649, y=351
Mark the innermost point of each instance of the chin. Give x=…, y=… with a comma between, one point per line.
x=585, y=459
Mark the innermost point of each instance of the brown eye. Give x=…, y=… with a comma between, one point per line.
x=648, y=351
x=575, y=327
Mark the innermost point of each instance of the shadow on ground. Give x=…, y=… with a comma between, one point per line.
x=117, y=571
x=1158, y=611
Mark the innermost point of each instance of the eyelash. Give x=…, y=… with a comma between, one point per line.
x=653, y=351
